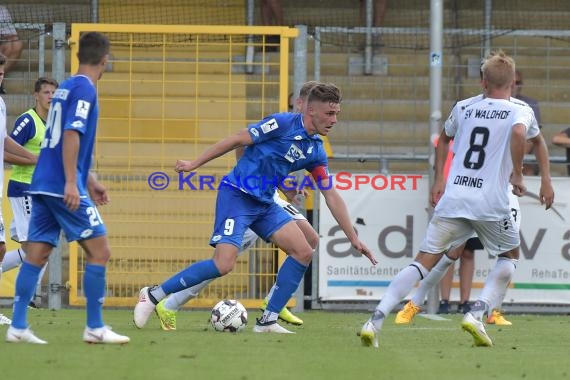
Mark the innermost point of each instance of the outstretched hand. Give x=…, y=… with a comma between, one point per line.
x=360, y=247
x=183, y=166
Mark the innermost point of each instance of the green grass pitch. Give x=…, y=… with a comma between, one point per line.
x=326, y=347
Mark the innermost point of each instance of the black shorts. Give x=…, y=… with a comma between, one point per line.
x=473, y=244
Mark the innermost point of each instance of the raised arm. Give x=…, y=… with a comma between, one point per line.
x=241, y=138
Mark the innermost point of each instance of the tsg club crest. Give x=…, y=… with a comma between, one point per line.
x=294, y=154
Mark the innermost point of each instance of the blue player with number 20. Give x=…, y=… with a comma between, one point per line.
x=65, y=196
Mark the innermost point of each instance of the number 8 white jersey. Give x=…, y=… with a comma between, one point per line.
x=478, y=182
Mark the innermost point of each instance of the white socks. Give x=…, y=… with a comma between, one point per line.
x=432, y=279
x=497, y=282
x=176, y=300
x=13, y=259
x=400, y=287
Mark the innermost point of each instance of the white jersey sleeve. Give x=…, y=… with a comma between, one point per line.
x=533, y=128
x=452, y=122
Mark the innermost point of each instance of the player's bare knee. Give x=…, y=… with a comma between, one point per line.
x=428, y=260
x=304, y=256
x=313, y=240
x=224, y=265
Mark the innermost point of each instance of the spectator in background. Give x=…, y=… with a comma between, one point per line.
x=272, y=15
x=562, y=139
x=10, y=44
x=528, y=169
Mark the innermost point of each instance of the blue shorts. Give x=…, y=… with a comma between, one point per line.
x=237, y=211
x=50, y=216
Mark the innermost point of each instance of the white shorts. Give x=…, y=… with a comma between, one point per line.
x=291, y=210
x=249, y=237
x=515, y=209
x=496, y=236
x=22, y=210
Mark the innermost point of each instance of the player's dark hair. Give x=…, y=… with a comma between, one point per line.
x=325, y=92
x=2, y=59
x=306, y=88
x=93, y=47
x=43, y=80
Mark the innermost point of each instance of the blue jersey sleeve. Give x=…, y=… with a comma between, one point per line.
x=272, y=127
x=80, y=105
x=24, y=129
x=321, y=160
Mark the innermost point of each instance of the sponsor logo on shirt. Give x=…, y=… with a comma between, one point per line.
x=254, y=132
x=77, y=124
x=60, y=94
x=82, y=109
x=269, y=126
x=294, y=153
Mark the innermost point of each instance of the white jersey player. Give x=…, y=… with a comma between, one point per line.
x=436, y=274
x=489, y=143
x=12, y=153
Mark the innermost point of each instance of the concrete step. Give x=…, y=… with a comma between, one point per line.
x=135, y=161
x=380, y=133
x=171, y=85
x=149, y=107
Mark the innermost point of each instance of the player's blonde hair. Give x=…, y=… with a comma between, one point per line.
x=499, y=70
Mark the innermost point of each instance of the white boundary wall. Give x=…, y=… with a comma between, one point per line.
x=392, y=223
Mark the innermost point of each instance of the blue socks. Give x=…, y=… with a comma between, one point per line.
x=93, y=287
x=192, y=275
x=288, y=279
x=94, y=290
x=25, y=289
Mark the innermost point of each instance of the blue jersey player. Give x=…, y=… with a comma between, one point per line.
x=276, y=146
x=65, y=195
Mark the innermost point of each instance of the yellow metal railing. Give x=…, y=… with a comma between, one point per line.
x=171, y=91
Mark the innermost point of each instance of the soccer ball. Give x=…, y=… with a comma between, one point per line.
x=229, y=315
